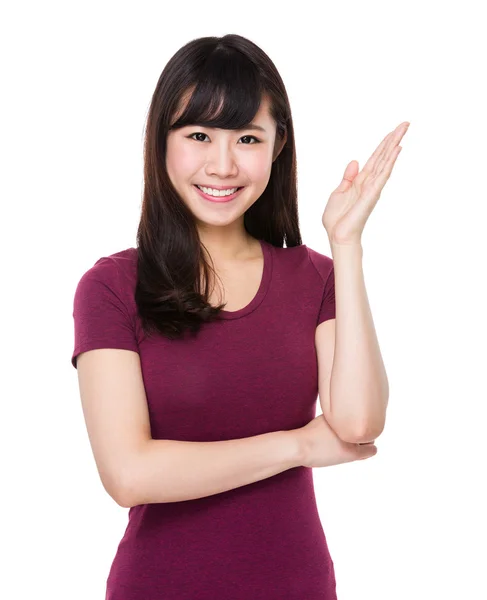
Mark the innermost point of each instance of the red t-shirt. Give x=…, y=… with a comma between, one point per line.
x=251, y=373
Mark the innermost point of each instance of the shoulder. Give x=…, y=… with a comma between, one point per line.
x=322, y=263
x=110, y=280
x=292, y=257
x=305, y=261
x=117, y=269
x=104, y=305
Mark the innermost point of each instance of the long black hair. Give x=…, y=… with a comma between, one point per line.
x=220, y=82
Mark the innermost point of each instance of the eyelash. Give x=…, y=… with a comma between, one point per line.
x=257, y=141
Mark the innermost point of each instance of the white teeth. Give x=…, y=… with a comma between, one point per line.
x=212, y=192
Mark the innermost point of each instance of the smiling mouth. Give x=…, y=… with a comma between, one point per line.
x=218, y=198
x=224, y=190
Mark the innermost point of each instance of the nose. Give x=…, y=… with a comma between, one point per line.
x=221, y=160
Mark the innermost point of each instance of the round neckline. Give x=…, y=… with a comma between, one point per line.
x=267, y=251
x=268, y=254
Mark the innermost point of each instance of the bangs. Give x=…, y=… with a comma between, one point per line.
x=227, y=94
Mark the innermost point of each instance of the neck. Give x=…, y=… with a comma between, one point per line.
x=226, y=248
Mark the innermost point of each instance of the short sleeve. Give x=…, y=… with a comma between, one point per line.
x=101, y=317
x=327, y=309
x=324, y=273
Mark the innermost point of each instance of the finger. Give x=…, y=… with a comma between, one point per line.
x=367, y=450
x=370, y=167
x=384, y=175
x=389, y=148
x=370, y=164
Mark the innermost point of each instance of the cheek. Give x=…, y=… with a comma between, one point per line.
x=180, y=162
x=258, y=166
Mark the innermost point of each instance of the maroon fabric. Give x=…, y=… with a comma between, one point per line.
x=251, y=373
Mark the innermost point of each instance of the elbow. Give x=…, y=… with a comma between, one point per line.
x=130, y=488
x=121, y=492
x=366, y=435
x=124, y=502
x=122, y=496
x=117, y=492
x=360, y=430
x=359, y=433
x=369, y=433
x=125, y=496
x=359, y=438
x=126, y=491
x=120, y=487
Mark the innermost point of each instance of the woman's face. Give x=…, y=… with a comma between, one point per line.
x=221, y=157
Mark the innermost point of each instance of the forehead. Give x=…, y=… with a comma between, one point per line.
x=262, y=118
x=263, y=114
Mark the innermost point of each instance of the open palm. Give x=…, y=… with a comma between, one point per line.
x=350, y=205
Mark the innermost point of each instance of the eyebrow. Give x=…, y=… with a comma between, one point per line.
x=251, y=126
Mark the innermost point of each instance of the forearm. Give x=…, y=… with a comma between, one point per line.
x=358, y=386
x=173, y=471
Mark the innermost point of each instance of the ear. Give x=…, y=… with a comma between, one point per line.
x=279, y=147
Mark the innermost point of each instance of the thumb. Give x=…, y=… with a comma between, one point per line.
x=348, y=177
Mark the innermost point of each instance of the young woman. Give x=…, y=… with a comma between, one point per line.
x=202, y=350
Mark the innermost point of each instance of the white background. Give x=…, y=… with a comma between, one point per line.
x=77, y=82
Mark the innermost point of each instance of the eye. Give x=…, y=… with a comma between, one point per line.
x=197, y=133
x=251, y=137
x=257, y=141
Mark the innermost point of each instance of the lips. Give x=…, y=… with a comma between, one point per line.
x=218, y=199
x=222, y=189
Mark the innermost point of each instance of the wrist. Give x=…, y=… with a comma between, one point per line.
x=344, y=243
x=353, y=250
x=297, y=446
